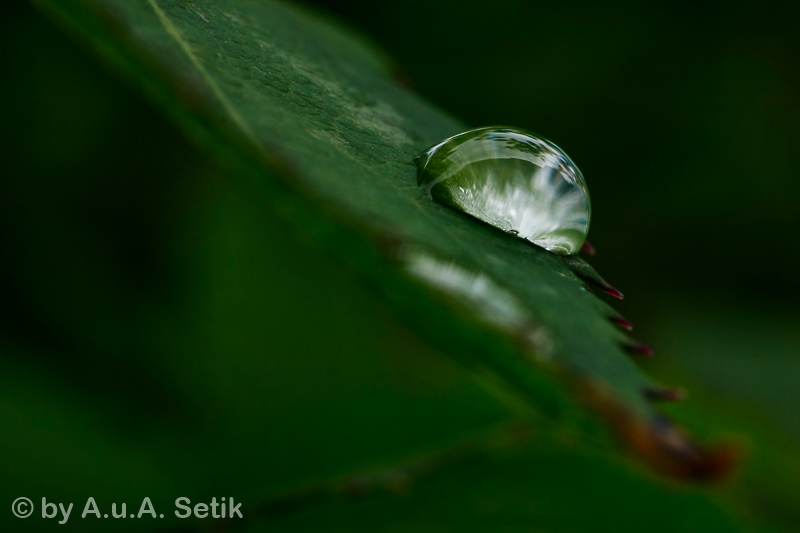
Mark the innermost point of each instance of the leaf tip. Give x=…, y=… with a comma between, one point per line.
x=622, y=322
x=675, y=394
x=638, y=348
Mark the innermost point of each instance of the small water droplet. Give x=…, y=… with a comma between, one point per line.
x=513, y=180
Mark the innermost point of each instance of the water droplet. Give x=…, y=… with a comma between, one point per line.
x=513, y=180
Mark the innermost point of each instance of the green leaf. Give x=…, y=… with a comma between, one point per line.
x=290, y=96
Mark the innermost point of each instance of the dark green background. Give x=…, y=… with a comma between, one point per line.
x=125, y=252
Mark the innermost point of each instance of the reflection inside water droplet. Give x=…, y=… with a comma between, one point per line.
x=513, y=180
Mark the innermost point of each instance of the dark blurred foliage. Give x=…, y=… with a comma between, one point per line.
x=87, y=191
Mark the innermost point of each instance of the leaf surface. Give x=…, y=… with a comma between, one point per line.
x=313, y=114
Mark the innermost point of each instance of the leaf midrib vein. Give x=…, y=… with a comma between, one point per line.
x=173, y=32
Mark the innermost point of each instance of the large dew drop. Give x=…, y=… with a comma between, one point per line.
x=513, y=180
